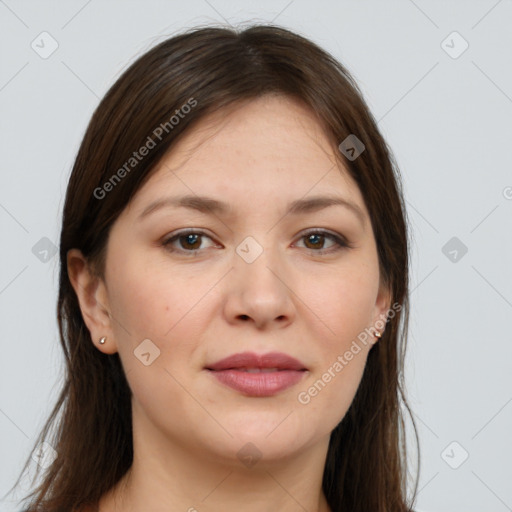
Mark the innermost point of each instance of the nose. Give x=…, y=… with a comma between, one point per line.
x=259, y=293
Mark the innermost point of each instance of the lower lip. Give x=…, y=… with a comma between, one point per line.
x=259, y=384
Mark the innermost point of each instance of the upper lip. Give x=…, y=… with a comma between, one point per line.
x=277, y=360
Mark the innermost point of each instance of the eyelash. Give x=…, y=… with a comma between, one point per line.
x=340, y=242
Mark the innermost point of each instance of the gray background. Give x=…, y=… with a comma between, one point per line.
x=447, y=117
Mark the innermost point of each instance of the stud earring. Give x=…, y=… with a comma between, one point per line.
x=378, y=334
x=103, y=340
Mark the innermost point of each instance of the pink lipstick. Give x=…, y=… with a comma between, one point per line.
x=258, y=375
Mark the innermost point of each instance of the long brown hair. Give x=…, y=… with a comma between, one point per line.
x=209, y=69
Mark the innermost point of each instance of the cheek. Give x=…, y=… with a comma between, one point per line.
x=345, y=305
x=158, y=303
x=139, y=305
x=335, y=378
x=141, y=293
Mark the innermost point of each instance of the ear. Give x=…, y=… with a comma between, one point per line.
x=93, y=299
x=381, y=310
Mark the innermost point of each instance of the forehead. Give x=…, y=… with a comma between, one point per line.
x=267, y=151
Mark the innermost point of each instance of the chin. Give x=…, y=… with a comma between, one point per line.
x=275, y=435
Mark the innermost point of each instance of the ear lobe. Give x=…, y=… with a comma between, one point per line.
x=93, y=300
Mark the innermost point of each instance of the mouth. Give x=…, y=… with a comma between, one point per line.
x=258, y=375
x=257, y=370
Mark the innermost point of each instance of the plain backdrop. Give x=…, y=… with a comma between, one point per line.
x=437, y=76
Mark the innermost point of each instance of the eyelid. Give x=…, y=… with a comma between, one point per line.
x=340, y=241
x=183, y=232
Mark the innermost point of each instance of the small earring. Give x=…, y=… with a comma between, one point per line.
x=378, y=334
x=103, y=340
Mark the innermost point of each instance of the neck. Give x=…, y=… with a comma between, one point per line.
x=168, y=477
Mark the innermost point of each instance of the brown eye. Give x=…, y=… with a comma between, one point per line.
x=189, y=241
x=315, y=240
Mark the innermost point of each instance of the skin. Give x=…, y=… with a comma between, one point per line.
x=188, y=427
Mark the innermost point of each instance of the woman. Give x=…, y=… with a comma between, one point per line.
x=234, y=290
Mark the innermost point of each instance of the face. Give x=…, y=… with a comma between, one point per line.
x=188, y=286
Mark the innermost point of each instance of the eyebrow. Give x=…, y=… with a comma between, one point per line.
x=210, y=205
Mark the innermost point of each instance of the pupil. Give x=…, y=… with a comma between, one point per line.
x=191, y=239
x=313, y=237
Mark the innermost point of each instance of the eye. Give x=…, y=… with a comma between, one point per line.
x=190, y=241
x=315, y=239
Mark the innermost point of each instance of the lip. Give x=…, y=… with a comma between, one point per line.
x=243, y=360
x=274, y=372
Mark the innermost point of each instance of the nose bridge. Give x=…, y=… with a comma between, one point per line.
x=258, y=264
